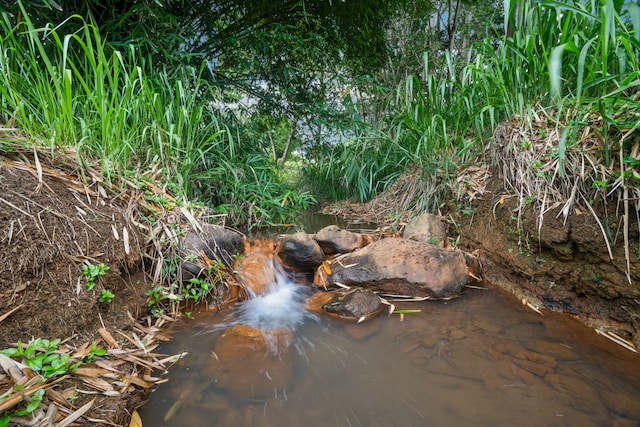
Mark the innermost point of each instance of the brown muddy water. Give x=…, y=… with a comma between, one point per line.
x=480, y=360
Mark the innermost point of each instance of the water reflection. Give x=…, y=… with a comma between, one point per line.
x=479, y=360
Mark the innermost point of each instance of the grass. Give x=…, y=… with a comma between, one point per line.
x=132, y=119
x=567, y=81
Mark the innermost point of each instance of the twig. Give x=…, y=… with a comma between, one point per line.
x=10, y=312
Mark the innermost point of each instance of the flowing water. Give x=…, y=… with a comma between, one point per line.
x=479, y=360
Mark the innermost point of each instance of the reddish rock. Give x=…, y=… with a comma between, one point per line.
x=249, y=364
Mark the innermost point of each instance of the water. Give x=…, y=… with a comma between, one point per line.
x=479, y=360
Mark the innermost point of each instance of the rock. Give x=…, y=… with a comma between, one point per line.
x=256, y=269
x=349, y=304
x=334, y=240
x=426, y=228
x=400, y=266
x=217, y=243
x=362, y=331
x=245, y=364
x=299, y=251
x=317, y=300
x=354, y=304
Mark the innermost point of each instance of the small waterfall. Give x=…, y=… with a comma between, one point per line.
x=277, y=303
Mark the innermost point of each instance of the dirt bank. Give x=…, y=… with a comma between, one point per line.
x=561, y=266
x=52, y=225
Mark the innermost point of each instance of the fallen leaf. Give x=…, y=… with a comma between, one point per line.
x=136, y=421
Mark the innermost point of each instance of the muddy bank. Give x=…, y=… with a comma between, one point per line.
x=560, y=266
x=71, y=269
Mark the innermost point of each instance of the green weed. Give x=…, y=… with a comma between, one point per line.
x=92, y=272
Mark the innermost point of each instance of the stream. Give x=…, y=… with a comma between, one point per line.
x=482, y=359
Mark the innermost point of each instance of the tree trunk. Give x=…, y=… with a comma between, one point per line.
x=287, y=148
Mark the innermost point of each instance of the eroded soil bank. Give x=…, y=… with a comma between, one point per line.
x=561, y=266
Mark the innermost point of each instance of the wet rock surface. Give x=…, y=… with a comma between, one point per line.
x=400, y=266
x=216, y=243
x=333, y=240
x=300, y=251
x=352, y=304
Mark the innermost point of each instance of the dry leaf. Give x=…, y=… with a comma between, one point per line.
x=136, y=421
x=326, y=267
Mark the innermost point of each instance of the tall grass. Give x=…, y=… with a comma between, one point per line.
x=570, y=59
x=129, y=115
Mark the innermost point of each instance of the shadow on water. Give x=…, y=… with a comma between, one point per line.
x=479, y=360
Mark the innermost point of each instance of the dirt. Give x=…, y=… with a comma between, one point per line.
x=51, y=224
x=562, y=266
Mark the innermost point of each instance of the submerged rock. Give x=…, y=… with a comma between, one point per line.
x=333, y=240
x=351, y=304
x=244, y=356
x=400, y=266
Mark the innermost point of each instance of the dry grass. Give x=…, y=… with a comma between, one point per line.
x=527, y=157
x=147, y=232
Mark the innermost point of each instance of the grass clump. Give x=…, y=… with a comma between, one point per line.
x=566, y=72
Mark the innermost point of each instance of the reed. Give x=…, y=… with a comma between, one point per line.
x=570, y=64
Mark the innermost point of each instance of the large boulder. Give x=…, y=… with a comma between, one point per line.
x=400, y=266
x=333, y=240
x=300, y=252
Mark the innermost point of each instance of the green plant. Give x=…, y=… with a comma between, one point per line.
x=92, y=272
x=33, y=402
x=155, y=298
x=40, y=355
x=106, y=296
x=196, y=289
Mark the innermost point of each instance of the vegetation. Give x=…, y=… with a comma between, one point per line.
x=133, y=119
x=572, y=63
x=256, y=109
